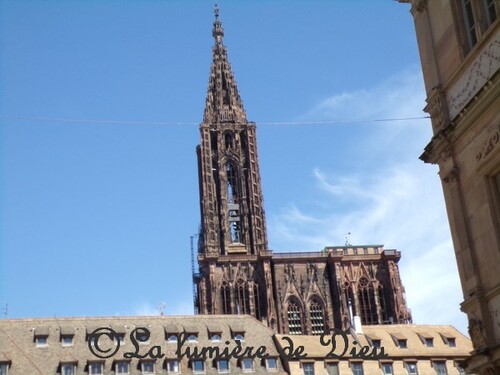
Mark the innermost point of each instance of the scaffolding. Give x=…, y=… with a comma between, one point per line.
x=196, y=274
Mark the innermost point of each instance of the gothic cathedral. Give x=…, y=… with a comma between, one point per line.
x=294, y=293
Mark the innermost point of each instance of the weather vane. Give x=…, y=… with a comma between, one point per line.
x=161, y=307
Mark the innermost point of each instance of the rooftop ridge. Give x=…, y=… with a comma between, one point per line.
x=124, y=317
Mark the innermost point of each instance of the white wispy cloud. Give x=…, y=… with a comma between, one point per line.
x=400, y=95
x=403, y=210
x=146, y=309
x=398, y=202
x=345, y=185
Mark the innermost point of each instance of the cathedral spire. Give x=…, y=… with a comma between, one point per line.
x=233, y=257
x=218, y=31
x=223, y=103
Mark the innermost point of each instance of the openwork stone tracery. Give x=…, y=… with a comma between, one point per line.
x=294, y=293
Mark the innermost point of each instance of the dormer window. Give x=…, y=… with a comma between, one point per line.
x=91, y=335
x=215, y=337
x=122, y=367
x=247, y=364
x=271, y=364
x=148, y=367
x=223, y=365
x=41, y=337
x=402, y=344
x=387, y=369
x=120, y=338
x=172, y=338
x=66, y=335
x=450, y=341
x=237, y=329
x=332, y=368
x=411, y=368
x=440, y=367
x=41, y=341
x=308, y=368
x=67, y=340
x=376, y=343
x=429, y=342
x=142, y=336
x=173, y=366
x=239, y=337
x=96, y=368
x=357, y=368
x=172, y=332
x=4, y=368
x=68, y=369
x=198, y=366
x=191, y=334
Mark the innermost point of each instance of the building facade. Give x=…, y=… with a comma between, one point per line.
x=61, y=346
x=66, y=346
x=410, y=349
x=459, y=45
x=295, y=293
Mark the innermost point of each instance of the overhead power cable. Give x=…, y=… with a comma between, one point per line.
x=171, y=123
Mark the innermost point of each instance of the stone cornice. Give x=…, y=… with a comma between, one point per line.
x=489, y=145
x=478, y=72
x=437, y=150
x=418, y=6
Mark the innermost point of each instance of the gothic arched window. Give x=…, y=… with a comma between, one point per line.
x=317, y=317
x=366, y=300
x=233, y=203
x=225, y=298
x=232, y=183
x=242, y=300
x=294, y=315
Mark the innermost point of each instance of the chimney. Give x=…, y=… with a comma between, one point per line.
x=358, y=328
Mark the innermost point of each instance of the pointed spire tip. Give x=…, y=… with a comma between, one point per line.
x=218, y=31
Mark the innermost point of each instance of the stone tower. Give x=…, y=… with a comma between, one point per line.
x=294, y=293
x=235, y=272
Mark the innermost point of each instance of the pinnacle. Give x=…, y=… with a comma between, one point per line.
x=223, y=103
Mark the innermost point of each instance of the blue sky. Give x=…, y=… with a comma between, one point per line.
x=97, y=210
